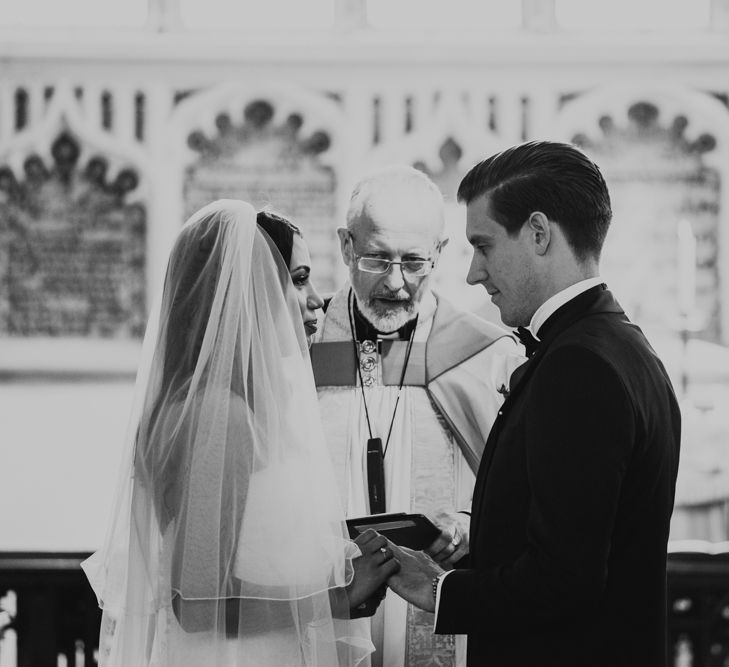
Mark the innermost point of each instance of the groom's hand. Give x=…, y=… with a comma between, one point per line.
x=371, y=571
x=414, y=581
x=452, y=544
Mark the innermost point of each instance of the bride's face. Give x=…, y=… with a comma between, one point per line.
x=308, y=297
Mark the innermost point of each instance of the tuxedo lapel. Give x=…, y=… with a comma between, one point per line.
x=518, y=375
x=595, y=300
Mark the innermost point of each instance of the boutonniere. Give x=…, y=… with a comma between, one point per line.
x=503, y=390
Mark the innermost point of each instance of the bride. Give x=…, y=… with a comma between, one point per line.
x=227, y=544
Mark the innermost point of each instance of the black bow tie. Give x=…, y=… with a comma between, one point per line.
x=527, y=339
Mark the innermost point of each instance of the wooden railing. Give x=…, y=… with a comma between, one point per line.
x=698, y=604
x=53, y=618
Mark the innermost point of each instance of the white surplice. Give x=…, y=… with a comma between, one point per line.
x=425, y=469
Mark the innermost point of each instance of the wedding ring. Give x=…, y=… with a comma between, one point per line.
x=383, y=550
x=455, y=541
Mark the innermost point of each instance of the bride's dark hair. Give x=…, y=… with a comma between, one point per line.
x=191, y=283
x=280, y=230
x=193, y=274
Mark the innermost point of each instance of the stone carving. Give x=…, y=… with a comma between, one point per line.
x=644, y=127
x=72, y=251
x=270, y=162
x=658, y=174
x=455, y=259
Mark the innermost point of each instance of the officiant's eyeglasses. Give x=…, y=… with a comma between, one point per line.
x=413, y=267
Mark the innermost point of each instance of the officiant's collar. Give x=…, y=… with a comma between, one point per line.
x=554, y=303
x=365, y=331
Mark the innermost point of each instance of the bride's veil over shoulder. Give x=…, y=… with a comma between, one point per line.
x=227, y=544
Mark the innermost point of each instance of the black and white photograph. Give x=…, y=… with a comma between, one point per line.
x=364, y=333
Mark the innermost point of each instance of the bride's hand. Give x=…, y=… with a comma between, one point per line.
x=371, y=570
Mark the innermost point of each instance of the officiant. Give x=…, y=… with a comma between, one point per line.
x=408, y=385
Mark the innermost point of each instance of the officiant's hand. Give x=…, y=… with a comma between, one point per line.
x=371, y=571
x=414, y=581
x=452, y=544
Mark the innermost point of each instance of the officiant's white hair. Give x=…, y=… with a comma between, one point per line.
x=391, y=183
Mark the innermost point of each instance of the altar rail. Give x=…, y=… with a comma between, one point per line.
x=50, y=617
x=698, y=605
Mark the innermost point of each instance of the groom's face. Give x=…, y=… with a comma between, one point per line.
x=503, y=264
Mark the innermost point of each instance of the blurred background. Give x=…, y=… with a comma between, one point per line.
x=118, y=118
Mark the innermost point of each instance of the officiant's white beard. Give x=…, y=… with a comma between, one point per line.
x=386, y=319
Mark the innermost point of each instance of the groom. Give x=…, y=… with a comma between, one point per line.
x=575, y=489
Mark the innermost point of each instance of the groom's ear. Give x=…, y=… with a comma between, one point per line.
x=540, y=230
x=345, y=245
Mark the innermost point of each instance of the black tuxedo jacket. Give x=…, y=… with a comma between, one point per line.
x=572, y=503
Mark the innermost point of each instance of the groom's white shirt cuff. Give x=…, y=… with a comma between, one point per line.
x=441, y=579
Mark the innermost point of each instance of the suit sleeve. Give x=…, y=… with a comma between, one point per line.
x=579, y=438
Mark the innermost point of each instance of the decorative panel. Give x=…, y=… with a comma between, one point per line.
x=658, y=176
x=270, y=162
x=72, y=250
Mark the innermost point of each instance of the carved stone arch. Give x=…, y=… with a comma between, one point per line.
x=664, y=151
x=317, y=112
x=445, y=145
x=704, y=113
x=276, y=146
x=73, y=233
x=453, y=122
x=64, y=114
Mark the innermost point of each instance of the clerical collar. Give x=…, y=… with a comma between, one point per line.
x=365, y=330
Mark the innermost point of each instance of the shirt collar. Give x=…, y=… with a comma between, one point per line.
x=558, y=300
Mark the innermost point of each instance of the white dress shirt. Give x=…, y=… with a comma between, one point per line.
x=551, y=305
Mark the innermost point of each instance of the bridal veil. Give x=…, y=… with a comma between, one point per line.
x=227, y=544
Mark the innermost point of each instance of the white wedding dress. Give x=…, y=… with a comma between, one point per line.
x=227, y=545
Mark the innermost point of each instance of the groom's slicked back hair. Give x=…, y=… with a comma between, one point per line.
x=554, y=178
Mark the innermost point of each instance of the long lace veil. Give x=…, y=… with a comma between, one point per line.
x=227, y=544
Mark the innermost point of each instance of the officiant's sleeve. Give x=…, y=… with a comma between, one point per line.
x=579, y=438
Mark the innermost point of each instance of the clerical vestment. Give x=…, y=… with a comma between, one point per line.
x=457, y=372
